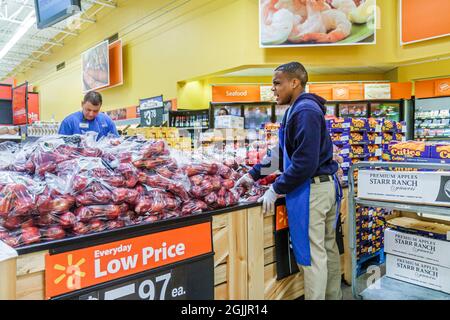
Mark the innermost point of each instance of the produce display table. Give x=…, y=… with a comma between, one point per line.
x=243, y=265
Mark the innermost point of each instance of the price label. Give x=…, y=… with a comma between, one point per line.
x=378, y=128
x=173, y=284
x=378, y=140
x=345, y=164
x=151, y=111
x=378, y=152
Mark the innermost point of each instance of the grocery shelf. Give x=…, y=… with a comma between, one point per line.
x=10, y=137
x=433, y=118
x=407, y=207
x=192, y=128
x=387, y=288
x=433, y=137
x=127, y=122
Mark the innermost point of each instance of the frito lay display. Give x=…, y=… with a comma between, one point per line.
x=62, y=187
x=361, y=139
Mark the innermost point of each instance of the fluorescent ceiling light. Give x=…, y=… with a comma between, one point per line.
x=23, y=28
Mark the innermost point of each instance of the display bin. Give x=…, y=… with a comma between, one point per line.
x=243, y=264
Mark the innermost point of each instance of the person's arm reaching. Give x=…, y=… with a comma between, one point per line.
x=305, y=158
x=268, y=165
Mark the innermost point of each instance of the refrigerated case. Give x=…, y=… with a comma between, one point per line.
x=255, y=114
x=353, y=109
x=388, y=109
x=432, y=118
x=331, y=110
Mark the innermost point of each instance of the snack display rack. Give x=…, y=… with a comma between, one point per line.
x=361, y=139
x=388, y=288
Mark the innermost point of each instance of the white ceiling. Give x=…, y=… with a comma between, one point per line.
x=36, y=43
x=261, y=72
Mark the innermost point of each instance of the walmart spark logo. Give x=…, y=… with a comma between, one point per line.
x=72, y=272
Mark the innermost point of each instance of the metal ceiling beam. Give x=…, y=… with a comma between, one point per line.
x=109, y=4
x=64, y=31
x=43, y=45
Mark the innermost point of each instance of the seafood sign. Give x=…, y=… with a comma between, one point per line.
x=285, y=23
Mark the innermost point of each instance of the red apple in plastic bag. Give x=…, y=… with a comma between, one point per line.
x=79, y=183
x=84, y=214
x=31, y=235
x=225, y=172
x=96, y=225
x=67, y=220
x=222, y=192
x=228, y=184
x=196, y=180
x=12, y=241
x=80, y=228
x=12, y=223
x=221, y=202
x=114, y=224
x=6, y=204
x=211, y=198
x=216, y=183
x=165, y=172
x=54, y=233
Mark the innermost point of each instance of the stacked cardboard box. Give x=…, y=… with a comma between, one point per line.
x=170, y=135
x=418, y=151
x=370, y=226
x=361, y=139
x=418, y=253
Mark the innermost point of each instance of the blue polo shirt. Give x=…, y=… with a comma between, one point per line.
x=76, y=124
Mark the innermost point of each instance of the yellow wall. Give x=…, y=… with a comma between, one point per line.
x=163, y=53
x=182, y=44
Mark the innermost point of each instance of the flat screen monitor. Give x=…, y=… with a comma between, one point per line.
x=50, y=12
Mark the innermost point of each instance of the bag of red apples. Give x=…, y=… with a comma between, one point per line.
x=60, y=187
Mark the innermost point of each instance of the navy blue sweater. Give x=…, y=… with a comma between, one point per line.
x=308, y=145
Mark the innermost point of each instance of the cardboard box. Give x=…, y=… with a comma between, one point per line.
x=410, y=149
x=416, y=247
x=418, y=272
x=432, y=188
x=440, y=151
x=229, y=122
x=418, y=227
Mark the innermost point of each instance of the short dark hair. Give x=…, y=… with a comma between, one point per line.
x=224, y=109
x=295, y=70
x=93, y=97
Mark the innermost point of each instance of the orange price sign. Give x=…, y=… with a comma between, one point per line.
x=74, y=270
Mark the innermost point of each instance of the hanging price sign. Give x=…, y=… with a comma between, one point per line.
x=152, y=111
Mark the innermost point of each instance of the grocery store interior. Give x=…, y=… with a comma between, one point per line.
x=130, y=132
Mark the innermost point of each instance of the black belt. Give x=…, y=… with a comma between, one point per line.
x=322, y=178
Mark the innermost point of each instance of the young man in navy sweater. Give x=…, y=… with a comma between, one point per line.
x=308, y=182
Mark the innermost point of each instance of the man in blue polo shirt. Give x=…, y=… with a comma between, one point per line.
x=89, y=118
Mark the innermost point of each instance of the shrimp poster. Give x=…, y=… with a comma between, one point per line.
x=95, y=64
x=301, y=23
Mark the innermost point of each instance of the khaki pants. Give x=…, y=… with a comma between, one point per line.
x=323, y=277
